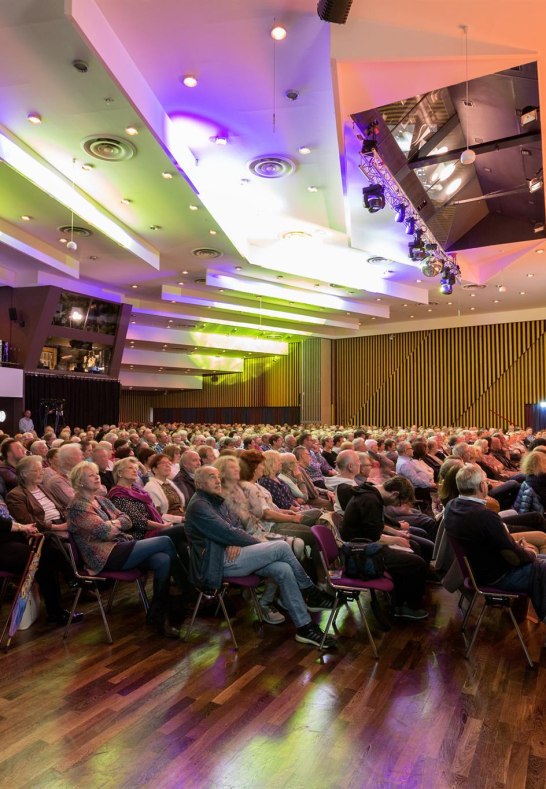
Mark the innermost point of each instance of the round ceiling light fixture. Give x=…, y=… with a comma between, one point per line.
x=271, y=166
x=189, y=81
x=278, y=33
x=108, y=148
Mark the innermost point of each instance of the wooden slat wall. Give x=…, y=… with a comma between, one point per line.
x=476, y=375
x=265, y=381
x=310, y=364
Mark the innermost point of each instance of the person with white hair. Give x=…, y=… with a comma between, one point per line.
x=58, y=485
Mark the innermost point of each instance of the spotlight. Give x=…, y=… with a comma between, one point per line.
x=410, y=226
x=431, y=267
x=416, y=249
x=374, y=198
x=447, y=281
x=400, y=210
x=368, y=147
x=535, y=184
x=528, y=115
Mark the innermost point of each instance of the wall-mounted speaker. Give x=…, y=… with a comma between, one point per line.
x=12, y=314
x=334, y=10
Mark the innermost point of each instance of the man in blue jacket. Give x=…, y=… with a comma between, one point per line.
x=221, y=548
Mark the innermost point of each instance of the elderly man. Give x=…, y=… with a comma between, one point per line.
x=316, y=497
x=189, y=463
x=101, y=458
x=496, y=558
x=348, y=467
x=58, y=484
x=221, y=548
x=318, y=469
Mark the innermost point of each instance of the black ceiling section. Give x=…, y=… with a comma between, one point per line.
x=420, y=140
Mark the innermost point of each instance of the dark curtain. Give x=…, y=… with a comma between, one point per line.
x=535, y=416
x=271, y=415
x=87, y=401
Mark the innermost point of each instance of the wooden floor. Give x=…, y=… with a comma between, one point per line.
x=148, y=711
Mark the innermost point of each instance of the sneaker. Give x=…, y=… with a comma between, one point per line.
x=312, y=634
x=405, y=612
x=271, y=615
x=315, y=600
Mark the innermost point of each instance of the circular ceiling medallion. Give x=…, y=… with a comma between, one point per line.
x=271, y=166
x=74, y=230
x=206, y=253
x=108, y=148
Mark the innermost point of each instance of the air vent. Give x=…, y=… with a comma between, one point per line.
x=296, y=235
x=206, y=253
x=81, y=232
x=376, y=259
x=200, y=280
x=471, y=286
x=109, y=148
x=271, y=167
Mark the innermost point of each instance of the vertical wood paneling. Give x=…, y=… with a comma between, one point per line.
x=479, y=375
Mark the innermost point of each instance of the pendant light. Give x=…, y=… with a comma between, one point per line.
x=72, y=246
x=468, y=156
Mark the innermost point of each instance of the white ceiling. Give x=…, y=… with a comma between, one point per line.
x=137, y=51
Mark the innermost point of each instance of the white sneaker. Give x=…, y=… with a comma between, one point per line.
x=271, y=615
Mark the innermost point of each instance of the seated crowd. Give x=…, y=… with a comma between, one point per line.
x=199, y=503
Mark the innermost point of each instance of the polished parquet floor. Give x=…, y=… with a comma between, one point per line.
x=148, y=711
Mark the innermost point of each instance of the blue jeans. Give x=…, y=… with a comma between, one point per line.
x=275, y=560
x=155, y=553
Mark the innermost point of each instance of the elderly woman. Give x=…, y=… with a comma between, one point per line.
x=174, y=453
x=102, y=534
x=166, y=497
x=280, y=492
x=291, y=475
x=146, y=520
x=29, y=502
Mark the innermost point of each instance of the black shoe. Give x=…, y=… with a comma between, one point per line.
x=315, y=600
x=312, y=634
x=61, y=618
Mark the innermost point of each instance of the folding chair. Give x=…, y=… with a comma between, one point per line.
x=92, y=582
x=250, y=582
x=492, y=597
x=346, y=589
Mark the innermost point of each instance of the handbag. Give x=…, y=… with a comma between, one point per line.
x=363, y=560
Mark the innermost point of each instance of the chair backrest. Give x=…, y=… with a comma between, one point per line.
x=459, y=550
x=327, y=543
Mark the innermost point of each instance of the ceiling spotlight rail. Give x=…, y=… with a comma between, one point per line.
x=384, y=190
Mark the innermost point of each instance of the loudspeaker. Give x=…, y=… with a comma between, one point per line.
x=12, y=314
x=334, y=10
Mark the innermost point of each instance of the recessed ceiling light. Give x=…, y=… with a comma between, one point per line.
x=184, y=272
x=87, y=167
x=189, y=81
x=173, y=301
x=449, y=303
x=238, y=268
x=495, y=301
x=194, y=207
x=304, y=150
x=212, y=232
x=220, y=139
x=312, y=188
x=411, y=316
x=166, y=175
x=472, y=295
x=63, y=240
x=170, y=320
x=93, y=257
x=472, y=308
x=134, y=286
x=429, y=310
x=26, y=218
x=35, y=118
x=378, y=299
x=179, y=283
x=278, y=33
x=132, y=131
x=404, y=305
x=132, y=366
x=522, y=293
x=530, y=275
x=155, y=227
x=418, y=281
x=539, y=251
x=126, y=201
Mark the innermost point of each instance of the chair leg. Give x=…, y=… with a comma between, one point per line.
x=74, y=605
x=384, y=624
x=194, y=614
x=521, y=641
x=331, y=618
x=468, y=612
x=475, y=633
x=143, y=595
x=228, y=620
x=103, y=614
x=256, y=604
x=365, y=621
x=111, y=596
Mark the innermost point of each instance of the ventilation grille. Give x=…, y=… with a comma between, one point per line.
x=472, y=286
x=271, y=167
x=206, y=253
x=109, y=148
x=68, y=230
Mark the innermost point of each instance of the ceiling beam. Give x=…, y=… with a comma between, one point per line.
x=483, y=147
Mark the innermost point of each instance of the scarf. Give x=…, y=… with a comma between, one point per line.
x=136, y=494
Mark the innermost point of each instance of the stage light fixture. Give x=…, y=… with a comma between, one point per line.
x=536, y=183
x=528, y=115
x=374, y=198
x=431, y=267
x=410, y=226
x=368, y=147
x=447, y=281
x=400, y=212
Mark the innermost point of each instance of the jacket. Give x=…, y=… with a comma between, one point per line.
x=24, y=508
x=211, y=530
x=153, y=487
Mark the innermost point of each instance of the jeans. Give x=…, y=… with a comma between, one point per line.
x=517, y=580
x=157, y=554
x=275, y=560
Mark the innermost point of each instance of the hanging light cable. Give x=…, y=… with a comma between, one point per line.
x=468, y=156
x=72, y=246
